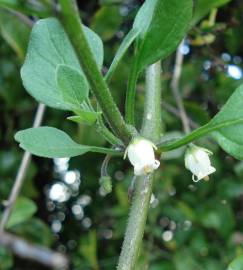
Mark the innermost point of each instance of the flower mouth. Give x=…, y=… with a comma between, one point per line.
x=203, y=175
x=198, y=162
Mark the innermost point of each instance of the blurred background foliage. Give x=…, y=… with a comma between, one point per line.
x=190, y=226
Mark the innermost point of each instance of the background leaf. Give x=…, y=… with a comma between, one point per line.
x=104, y=24
x=23, y=210
x=15, y=32
x=88, y=248
x=6, y=259
x=237, y=264
x=203, y=7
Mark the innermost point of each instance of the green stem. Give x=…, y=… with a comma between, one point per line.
x=130, y=96
x=102, y=129
x=105, y=132
x=103, y=150
x=72, y=24
x=152, y=111
x=143, y=186
x=136, y=223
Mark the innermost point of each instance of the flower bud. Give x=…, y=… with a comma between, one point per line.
x=105, y=184
x=198, y=162
x=141, y=155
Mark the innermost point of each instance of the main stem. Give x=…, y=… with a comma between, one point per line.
x=151, y=128
x=143, y=186
x=73, y=26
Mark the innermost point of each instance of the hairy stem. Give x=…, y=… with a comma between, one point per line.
x=136, y=223
x=130, y=96
x=144, y=184
x=151, y=128
x=107, y=135
x=72, y=24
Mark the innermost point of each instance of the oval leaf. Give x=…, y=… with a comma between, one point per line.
x=49, y=142
x=49, y=47
x=203, y=7
x=53, y=143
x=72, y=85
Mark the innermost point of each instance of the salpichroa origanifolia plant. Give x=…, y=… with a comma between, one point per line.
x=63, y=69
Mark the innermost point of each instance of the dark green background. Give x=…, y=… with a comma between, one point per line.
x=205, y=219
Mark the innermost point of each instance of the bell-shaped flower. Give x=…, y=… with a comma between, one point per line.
x=198, y=162
x=140, y=153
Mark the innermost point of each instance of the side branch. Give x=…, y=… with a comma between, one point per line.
x=72, y=24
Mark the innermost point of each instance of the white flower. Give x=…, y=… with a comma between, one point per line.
x=141, y=155
x=198, y=162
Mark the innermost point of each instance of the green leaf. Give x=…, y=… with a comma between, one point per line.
x=106, y=21
x=15, y=32
x=6, y=259
x=85, y=117
x=203, y=7
x=36, y=231
x=49, y=47
x=127, y=41
x=163, y=25
x=54, y=143
x=144, y=17
x=226, y=127
x=230, y=138
x=25, y=7
x=72, y=84
x=96, y=45
x=214, y=217
x=88, y=248
x=23, y=210
x=237, y=264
